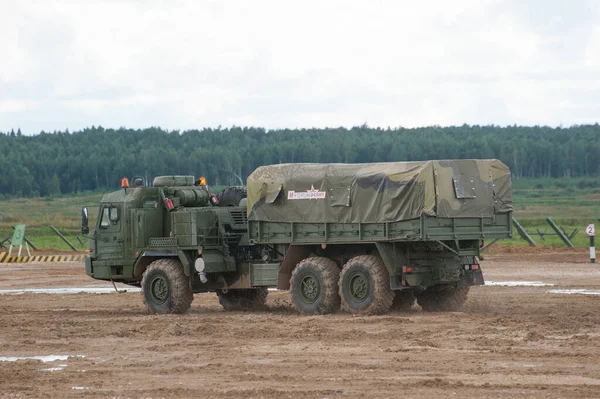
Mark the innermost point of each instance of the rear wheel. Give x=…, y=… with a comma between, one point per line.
x=365, y=286
x=403, y=301
x=165, y=287
x=314, y=286
x=246, y=299
x=443, y=299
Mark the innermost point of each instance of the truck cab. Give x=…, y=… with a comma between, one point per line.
x=177, y=217
x=111, y=248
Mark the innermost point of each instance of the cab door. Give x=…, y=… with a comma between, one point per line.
x=110, y=246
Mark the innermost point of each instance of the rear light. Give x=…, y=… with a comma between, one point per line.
x=90, y=250
x=475, y=267
x=407, y=269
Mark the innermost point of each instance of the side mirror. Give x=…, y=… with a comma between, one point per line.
x=84, y=221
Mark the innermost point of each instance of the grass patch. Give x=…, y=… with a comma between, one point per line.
x=571, y=203
x=39, y=213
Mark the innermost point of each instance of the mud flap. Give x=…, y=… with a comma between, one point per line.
x=470, y=278
x=88, y=267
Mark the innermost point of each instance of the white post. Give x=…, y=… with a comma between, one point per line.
x=590, y=230
x=592, y=250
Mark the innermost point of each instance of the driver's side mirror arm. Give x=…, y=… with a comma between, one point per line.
x=85, y=229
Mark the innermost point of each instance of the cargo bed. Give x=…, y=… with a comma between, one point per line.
x=425, y=228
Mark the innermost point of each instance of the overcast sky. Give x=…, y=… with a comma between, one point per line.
x=278, y=64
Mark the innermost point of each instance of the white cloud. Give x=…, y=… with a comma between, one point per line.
x=9, y=105
x=186, y=64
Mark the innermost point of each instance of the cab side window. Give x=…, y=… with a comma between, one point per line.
x=105, y=221
x=110, y=216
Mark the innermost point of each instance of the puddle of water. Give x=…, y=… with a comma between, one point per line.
x=518, y=284
x=255, y=361
x=582, y=291
x=54, y=369
x=44, y=359
x=511, y=364
x=67, y=290
x=370, y=361
x=79, y=388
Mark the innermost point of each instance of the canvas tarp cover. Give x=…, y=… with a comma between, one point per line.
x=378, y=192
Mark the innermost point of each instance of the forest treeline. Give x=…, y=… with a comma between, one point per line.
x=96, y=158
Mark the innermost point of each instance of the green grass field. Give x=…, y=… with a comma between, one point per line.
x=572, y=204
x=39, y=213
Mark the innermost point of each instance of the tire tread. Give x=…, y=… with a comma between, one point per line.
x=329, y=271
x=182, y=296
x=383, y=295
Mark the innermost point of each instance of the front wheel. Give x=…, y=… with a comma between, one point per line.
x=365, y=286
x=165, y=287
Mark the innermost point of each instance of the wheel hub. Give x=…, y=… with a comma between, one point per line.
x=310, y=288
x=359, y=286
x=159, y=289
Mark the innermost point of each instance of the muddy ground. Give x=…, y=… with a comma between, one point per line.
x=507, y=342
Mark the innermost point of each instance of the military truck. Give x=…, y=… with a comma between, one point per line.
x=366, y=238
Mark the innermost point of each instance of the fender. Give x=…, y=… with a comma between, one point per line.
x=148, y=257
x=293, y=255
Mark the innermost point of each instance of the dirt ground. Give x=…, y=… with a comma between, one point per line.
x=518, y=341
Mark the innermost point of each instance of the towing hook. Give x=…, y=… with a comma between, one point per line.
x=116, y=289
x=225, y=288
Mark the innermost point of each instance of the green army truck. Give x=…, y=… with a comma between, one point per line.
x=366, y=238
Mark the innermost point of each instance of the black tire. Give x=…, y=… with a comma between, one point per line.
x=447, y=298
x=365, y=286
x=232, y=196
x=314, y=286
x=245, y=299
x=165, y=287
x=403, y=301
